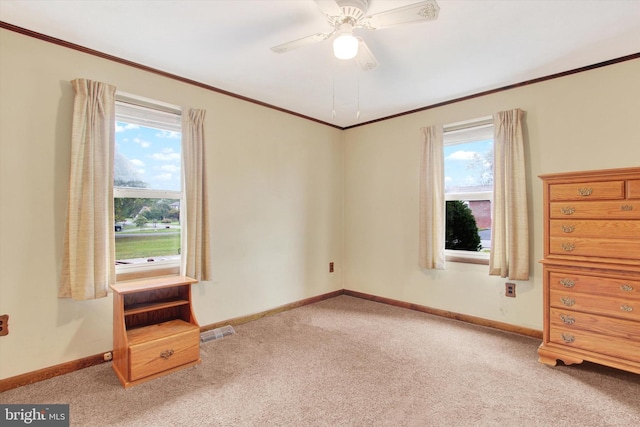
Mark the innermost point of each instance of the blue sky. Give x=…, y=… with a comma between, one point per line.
x=458, y=160
x=149, y=155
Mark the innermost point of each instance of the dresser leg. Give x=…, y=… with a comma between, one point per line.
x=551, y=357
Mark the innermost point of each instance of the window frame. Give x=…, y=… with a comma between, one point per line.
x=146, y=112
x=462, y=133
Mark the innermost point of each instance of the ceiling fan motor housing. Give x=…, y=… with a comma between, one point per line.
x=354, y=9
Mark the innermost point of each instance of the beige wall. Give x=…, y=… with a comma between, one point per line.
x=276, y=184
x=585, y=121
x=288, y=196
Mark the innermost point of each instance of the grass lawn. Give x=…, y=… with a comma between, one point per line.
x=147, y=244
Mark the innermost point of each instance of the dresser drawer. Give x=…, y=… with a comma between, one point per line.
x=598, y=304
x=622, y=289
x=618, y=229
x=599, y=334
x=633, y=189
x=605, y=190
x=157, y=355
x=604, y=248
x=623, y=209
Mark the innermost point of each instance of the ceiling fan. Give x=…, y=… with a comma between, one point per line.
x=347, y=15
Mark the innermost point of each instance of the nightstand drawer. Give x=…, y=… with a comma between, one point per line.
x=605, y=190
x=165, y=353
x=614, y=337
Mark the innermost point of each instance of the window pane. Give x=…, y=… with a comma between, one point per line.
x=468, y=225
x=147, y=157
x=469, y=167
x=146, y=230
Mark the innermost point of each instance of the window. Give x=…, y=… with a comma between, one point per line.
x=468, y=169
x=147, y=187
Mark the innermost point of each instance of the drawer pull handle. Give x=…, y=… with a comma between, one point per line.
x=626, y=288
x=585, y=191
x=626, y=308
x=568, y=338
x=567, y=283
x=568, y=210
x=569, y=320
x=166, y=354
x=626, y=208
x=568, y=247
x=568, y=228
x=568, y=301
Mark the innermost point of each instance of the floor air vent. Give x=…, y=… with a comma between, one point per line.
x=216, y=333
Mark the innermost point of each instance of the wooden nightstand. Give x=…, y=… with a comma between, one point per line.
x=154, y=329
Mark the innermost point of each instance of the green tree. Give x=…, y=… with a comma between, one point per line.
x=159, y=210
x=461, y=230
x=141, y=220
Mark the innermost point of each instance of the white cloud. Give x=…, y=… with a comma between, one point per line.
x=120, y=128
x=169, y=134
x=142, y=143
x=167, y=154
x=462, y=155
x=170, y=168
x=448, y=179
x=164, y=177
x=137, y=162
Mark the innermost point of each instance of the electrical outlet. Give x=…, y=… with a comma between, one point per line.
x=107, y=356
x=330, y=267
x=4, y=325
x=510, y=290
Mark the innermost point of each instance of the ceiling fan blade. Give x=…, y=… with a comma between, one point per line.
x=314, y=38
x=329, y=7
x=417, y=12
x=365, y=58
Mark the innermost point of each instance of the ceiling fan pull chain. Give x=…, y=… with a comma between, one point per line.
x=333, y=92
x=358, y=94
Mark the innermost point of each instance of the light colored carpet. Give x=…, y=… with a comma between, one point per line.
x=350, y=362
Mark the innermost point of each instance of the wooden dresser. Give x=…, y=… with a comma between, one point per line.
x=592, y=268
x=154, y=329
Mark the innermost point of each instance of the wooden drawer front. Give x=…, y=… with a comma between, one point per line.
x=617, y=229
x=614, y=337
x=633, y=189
x=605, y=248
x=623, y=209
x=159, y=355
x=568, y=283
x=598, y=304
x=605, y=190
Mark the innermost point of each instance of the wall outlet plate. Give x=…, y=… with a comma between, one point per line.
x=510, y=290
x=4, y=325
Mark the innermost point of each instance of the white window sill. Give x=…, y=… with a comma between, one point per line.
x=467, y=257
x=149, y=269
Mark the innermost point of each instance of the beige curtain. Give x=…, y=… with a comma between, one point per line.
x=432, y=207
x=89, y=249
x=510, y=224
x=196, y=258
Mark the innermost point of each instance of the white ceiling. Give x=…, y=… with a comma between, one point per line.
x=473, y=46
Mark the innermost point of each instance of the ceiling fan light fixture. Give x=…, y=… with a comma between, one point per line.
x=345, y=46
